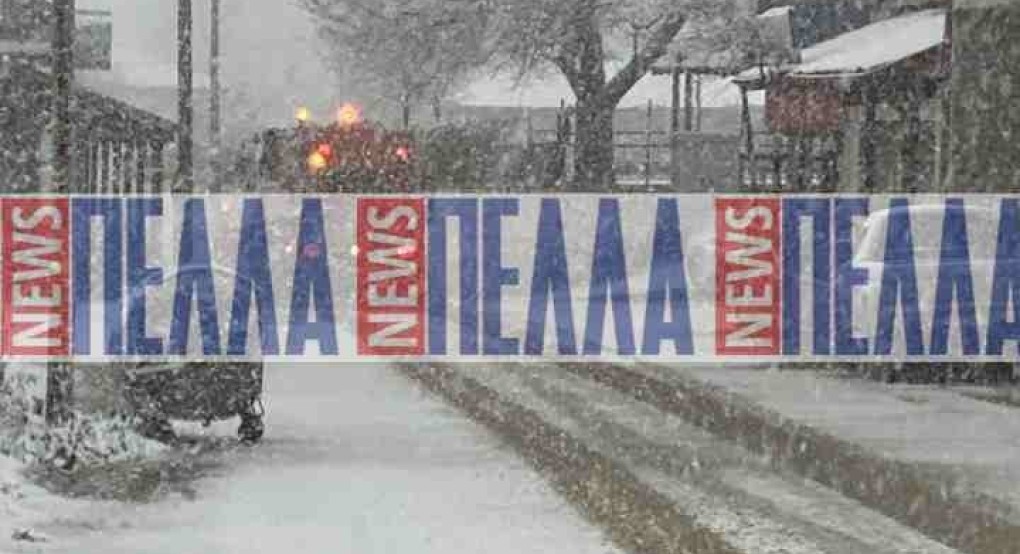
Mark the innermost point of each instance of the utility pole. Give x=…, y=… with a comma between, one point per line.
x=185, y=106
x=214, y=85
x=60, y=376
x=63, y=79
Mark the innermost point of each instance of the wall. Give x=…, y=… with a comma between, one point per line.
x=985, y=111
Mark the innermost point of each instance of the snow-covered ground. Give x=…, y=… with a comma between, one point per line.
x=22, y=505
x=356, y=460
x=936, y=426
x=721, y=486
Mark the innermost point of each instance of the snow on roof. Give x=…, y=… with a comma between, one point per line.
x=777, y=11
x=697, y=53
x=876, y=45
x=547, y=92
x=871, y=47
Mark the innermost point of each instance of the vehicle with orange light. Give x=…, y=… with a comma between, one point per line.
x=350, y=155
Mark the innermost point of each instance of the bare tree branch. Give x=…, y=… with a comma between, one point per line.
x=639, y=65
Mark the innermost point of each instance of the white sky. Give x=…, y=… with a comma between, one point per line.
x=270, y=57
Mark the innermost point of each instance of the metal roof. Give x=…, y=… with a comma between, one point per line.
x=865, y=50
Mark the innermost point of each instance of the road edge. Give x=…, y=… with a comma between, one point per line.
x=634, y=516
x=931, y=502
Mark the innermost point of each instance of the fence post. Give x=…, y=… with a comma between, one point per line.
x=697, y=103
x=648, y=147
x=688, y=101
x=141, y=155
x=156, y=178
x=674, y=123
x=568, y=159
x=748, y=135
x=529, y=129
x=95, y=163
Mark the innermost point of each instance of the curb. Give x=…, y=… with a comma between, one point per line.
x=930, y=502
x=635, y=516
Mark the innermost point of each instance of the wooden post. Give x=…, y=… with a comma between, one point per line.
x=688, y=102
x=156, y=151
x=777, y=167
x=130, y=167
x=529, y=129
x=185, y=107
x=88, y=167
x=748, y=135
x=105, y=153
x=117, y=184
x=801, y=165
x=141, y=155
x=697, y=104
x=405, y=117
x=568, y=156
x=868, y=130
x=910, y=145
x=79, y=163
x=943, y=134
x=95, y=163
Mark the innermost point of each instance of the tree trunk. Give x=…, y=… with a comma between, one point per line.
x=593, y=156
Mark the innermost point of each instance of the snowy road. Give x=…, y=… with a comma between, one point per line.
x=356, y=460
x=734, y=495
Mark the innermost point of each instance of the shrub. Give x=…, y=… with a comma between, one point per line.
x=84, y=440
x=464, y=157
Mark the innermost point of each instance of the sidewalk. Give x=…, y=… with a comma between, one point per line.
x=936, y=459
x=355, y=459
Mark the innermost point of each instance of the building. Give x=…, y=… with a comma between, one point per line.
x=861, y=102
x=59, y=136
x=114, y=147
x=984, y=110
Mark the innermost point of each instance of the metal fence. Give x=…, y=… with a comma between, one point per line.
x=652, y=160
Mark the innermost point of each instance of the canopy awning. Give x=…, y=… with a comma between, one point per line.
x=863, y=51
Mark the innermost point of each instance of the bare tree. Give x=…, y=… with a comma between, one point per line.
x=572, y=36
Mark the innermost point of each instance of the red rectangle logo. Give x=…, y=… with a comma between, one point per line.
x=391, y=276
x=748, y=276
x=36, y=298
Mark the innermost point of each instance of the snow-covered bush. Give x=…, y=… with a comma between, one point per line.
x=84, y=440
